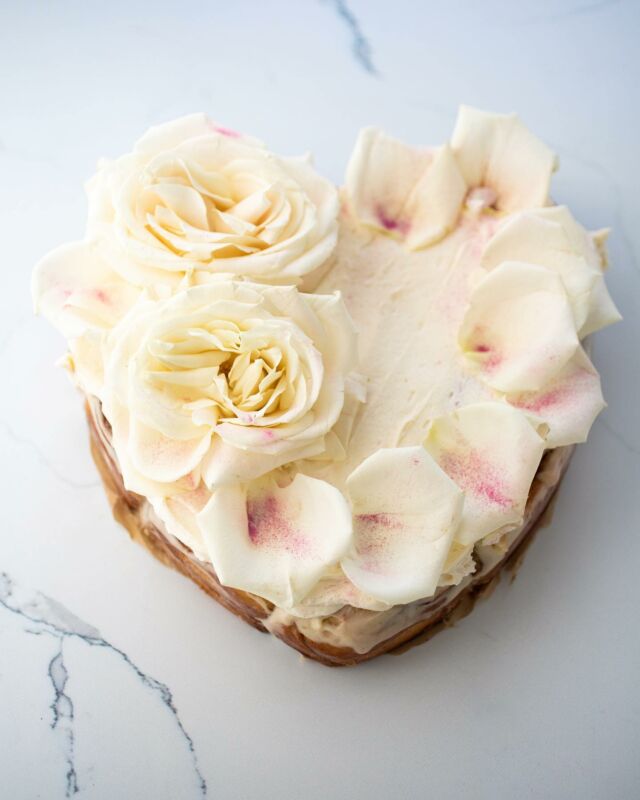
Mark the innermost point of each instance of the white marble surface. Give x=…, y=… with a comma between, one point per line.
x=120, y=679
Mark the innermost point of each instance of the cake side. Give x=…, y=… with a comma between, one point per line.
x=425, y=618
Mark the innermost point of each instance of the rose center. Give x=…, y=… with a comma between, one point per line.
x=208, y=214
x=221, y=372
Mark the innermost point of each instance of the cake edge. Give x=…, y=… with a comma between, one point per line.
x=128, y=507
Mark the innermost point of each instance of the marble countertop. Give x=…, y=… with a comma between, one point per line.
x=118, y=677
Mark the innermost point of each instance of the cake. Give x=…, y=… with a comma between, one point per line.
x=341, y=412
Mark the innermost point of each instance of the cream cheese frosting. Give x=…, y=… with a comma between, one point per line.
x=353, y=445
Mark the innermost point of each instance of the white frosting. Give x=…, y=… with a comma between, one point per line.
x=234, y=405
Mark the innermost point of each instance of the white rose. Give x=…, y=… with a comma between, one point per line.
x=224, y=382
x=197, y=198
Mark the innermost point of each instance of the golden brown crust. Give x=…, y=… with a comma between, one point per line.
x=439, y=612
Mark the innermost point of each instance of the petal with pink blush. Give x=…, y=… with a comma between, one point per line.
x=568, y=404
x=551, y=237
x=518, y=331
x=160, y=458
x=332, y=592
x=381, y=173
x=276, y=542
x=498, y=151
x=492, y=452
x=77, y=291
x=172, y=134
x=406, y=512
x=410, y=193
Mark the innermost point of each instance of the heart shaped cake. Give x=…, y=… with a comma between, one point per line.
x=340, y=412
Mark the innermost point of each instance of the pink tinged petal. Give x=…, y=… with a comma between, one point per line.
x=518, y=331
x=333, y=592
x=171, y=134
x=406, y=512
x=381, y=174
x=77, y=291
x=160, y=458
x=492, y=452
x=497, y=150
x=226, y=131
x=413, y=194
x=273, y=542
x=568, y=404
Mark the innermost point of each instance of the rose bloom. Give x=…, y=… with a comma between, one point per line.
x=197, y=198
x=224, y=382
x=192, y=200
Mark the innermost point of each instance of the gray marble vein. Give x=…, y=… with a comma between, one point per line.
x=62, y=709
x=44, y=616
x=360, y=45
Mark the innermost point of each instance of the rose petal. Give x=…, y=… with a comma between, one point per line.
x=602, y=309
x=196, y=196
x=133, y=479
x=381, y=173
x=492, y=452
x=413, y=194
x=435, y=201
x=551, y=237
x=333, y=592
x=171, y=134
x=225, y=464
x=460, y=563
x=406, y=512
x=179, y=515
x=275, y=542
x=518, y=331
x=162, y=459
x=77, y=291
x=568, y=404
x=498, y=151
x=87, y=360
